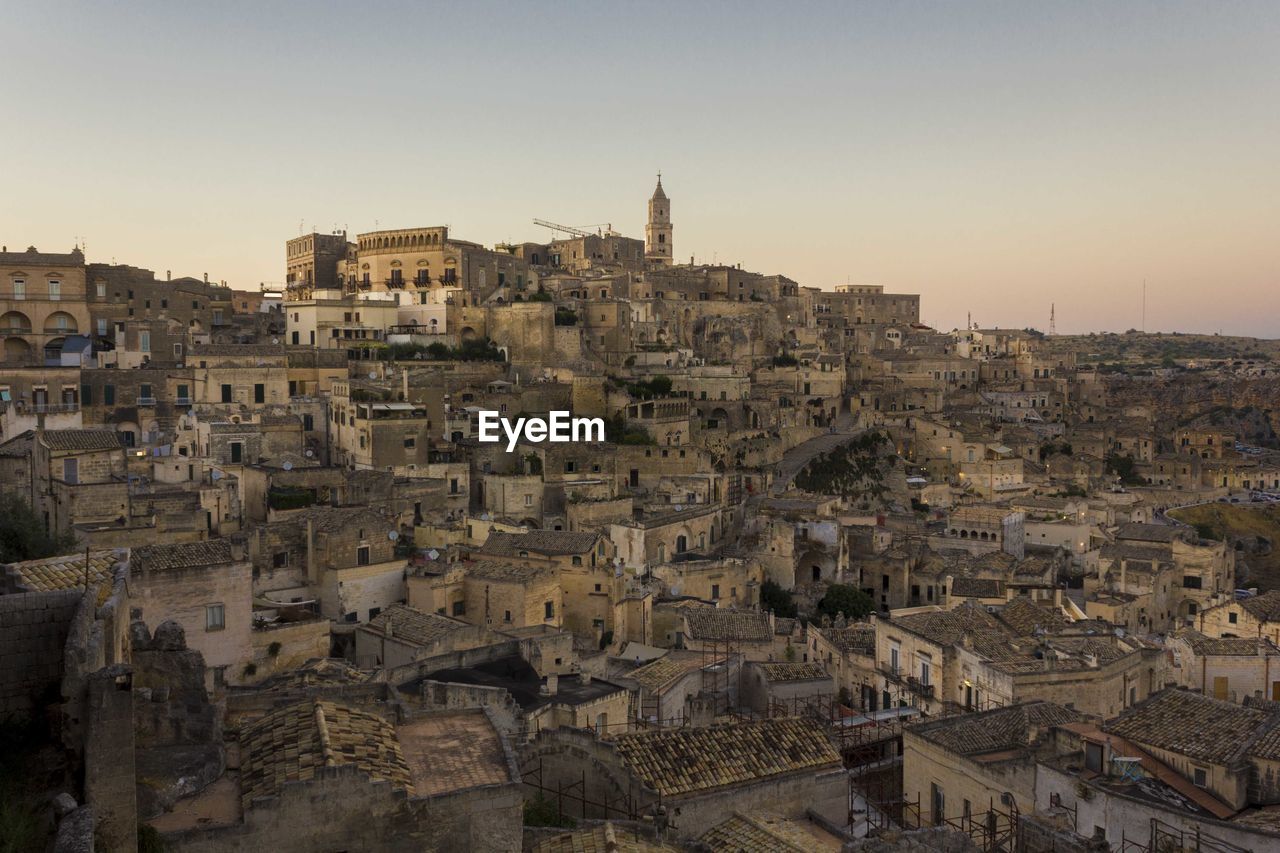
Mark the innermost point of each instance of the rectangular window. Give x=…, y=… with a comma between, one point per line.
x=460, y=609
x=102, y=326
x=55, y=291
x=214, y=617
x=226, y=393
x=86, y=395
x=237, y=452
x=19, y=289
x=362, y=555
x=184, y=394
x=410, y=442
x=71, y=471
x=144, y=392
x=102, y=289
x=280, y=560
x=144, y=341
x=549, y=610
x=109, y=395
x=259, y=393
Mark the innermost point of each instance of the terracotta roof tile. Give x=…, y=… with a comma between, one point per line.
x=294, y=743
x=411, y=625
x=1190, y=724
x=709, y=623
x=682, y=760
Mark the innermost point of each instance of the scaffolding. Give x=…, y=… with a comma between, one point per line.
x=1162, y=836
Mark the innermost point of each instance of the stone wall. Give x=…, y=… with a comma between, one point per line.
x=342, y=809
x=33, y=635
x=109, y=758
x=505, y=712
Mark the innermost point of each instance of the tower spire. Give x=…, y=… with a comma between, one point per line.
x=657, y=231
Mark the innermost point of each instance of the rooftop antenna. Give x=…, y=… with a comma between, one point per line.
x=1144, y=306
x=1053, y=326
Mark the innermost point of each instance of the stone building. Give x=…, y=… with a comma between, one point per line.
x=42, y=302
x=354, y=780
x=786, y=766
x=206, y=588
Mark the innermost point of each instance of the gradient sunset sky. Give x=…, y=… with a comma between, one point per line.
x=992, y=157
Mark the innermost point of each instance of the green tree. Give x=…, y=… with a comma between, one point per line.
x=849, y=600
x=777, y=599
x=22, y=533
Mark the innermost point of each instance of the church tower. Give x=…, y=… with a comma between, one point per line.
x=657, y=233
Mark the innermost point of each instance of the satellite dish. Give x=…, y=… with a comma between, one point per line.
x=675, y=590
x=393, y=536
x=310, y=453
x=373, y=374
x=275, y=340
x=288, y=466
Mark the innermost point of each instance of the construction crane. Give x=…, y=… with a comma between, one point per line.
x=576, y=232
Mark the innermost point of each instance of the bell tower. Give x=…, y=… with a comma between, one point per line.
x=657, y=233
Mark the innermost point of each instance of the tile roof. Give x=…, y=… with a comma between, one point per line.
x=550, y=542
x=852, y=638
x=792, y=671
x=600, y=839
x=963, y=587
x=81, y=439
x=1228, y=646
x=410, y=625
x=710, y=623
x=453, y=752
x=1265, y=607
x=294, y=743
x=1025, y=616
x=659, y=674
x=66, y=572
x=1189, y=724
x=986, y=634
x=747, y=834
x=1138, y=532
x=1011, y=727
x=336, y=519
x=684, y=760
x=508, y=572
x=183, y=555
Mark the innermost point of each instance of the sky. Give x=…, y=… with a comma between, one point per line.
x=996, y=158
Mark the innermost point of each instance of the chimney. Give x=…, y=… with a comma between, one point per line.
x=404, y=384
x=311, y=551
x=168, y=275
x=584, y=677
x=553, y=684
x=206, y=278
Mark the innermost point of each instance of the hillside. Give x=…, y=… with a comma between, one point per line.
x=1253, y=528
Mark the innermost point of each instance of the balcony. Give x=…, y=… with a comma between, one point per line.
x=182, y=401
x=26, y=408
x=146, y=401
x=919, y=688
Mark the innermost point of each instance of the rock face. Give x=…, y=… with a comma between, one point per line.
x=177, y=729
x=1244, y=405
